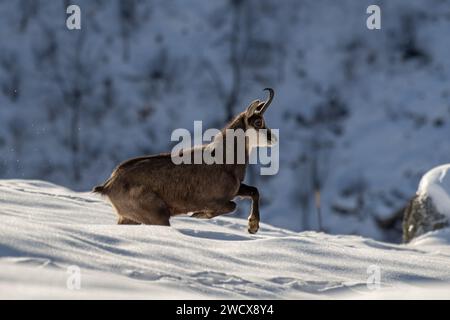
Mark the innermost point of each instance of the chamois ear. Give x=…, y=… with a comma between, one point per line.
x=255, y=105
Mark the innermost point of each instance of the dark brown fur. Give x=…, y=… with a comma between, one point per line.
x=151, y=189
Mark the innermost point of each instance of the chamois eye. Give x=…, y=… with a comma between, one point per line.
x=257, y=123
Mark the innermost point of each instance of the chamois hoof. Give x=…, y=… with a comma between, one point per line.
x=202, y=215
x=253, y=226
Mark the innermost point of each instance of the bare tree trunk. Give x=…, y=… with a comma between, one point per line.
x=317, y=177
x=235, y=60
x=127, y=13
x=75, y=134
x=318, y=209
x=28, y=10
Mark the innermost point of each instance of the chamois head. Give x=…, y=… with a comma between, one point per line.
x=253, y=118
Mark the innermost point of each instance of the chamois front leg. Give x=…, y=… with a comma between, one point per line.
x=253, y=193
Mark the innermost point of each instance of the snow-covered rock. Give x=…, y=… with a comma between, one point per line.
x=46, y=230
x=436, y=185
x=429, y=209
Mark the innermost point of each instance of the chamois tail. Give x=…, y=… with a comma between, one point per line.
x=103, y=189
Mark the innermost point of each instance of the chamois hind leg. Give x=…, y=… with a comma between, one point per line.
x=123, y=220
x=122, y=216
x=215, y=209
x=139, y=206
x=150, y=209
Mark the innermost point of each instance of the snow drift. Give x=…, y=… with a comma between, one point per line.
x=45, y=229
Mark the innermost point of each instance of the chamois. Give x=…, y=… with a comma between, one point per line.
x=151, y=189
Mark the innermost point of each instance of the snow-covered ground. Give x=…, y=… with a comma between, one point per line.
x=45, y=229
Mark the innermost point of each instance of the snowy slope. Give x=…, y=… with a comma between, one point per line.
x=46, y=228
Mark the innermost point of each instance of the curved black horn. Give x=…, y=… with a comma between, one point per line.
x=268, y=101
